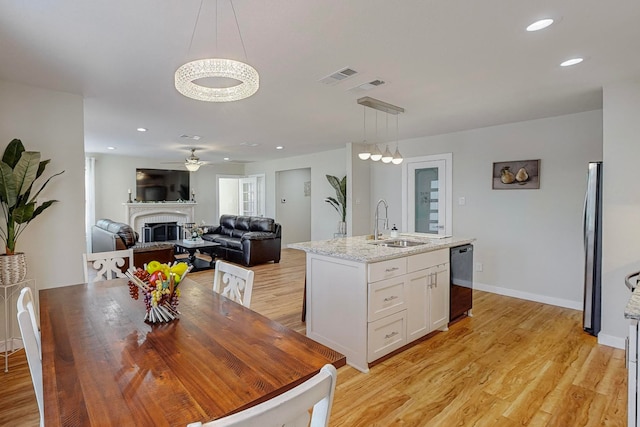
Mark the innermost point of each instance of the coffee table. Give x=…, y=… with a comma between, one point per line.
x=204, y=247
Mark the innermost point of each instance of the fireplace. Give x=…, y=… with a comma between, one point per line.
x=139, y=214
x=161, y=232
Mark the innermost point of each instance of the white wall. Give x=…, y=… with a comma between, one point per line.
x=621, y=208
x=52, y=123
x=295, y=213
x=115, y=174
x=529, y=241
x=324, y=219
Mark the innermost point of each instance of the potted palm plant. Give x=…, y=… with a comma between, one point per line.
x=339, y=202
x=19, y=169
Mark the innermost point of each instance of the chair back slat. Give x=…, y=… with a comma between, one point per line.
x=290, y=409
x=107, y=265
x=32, y=344
x=233, y=282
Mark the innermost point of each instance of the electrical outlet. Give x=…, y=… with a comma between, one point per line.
x=479, y=266
x=462, y=201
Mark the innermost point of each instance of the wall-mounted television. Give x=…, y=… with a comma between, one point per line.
x=161, y=185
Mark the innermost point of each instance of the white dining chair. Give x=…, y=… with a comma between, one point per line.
x=107, y=264
x=32, y=344
x=290, y=409
x=233, y=282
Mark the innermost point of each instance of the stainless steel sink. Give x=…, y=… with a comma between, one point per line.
x=398, y=243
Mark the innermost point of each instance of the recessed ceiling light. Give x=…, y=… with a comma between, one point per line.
x=111, y=148
x=570, y=62
x=539, y=25
x=141, y=129
x=226, y=158
x=279, y=147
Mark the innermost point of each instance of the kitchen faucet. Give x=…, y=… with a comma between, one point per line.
x=385, y=219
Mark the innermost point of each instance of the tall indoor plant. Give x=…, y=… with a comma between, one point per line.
x=339, y=202
x=19, y=169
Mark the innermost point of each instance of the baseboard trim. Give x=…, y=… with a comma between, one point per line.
x=611, y=341
x=560, y=302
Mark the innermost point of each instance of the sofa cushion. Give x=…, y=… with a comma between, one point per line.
x=227, y=224
x=243, y=223
x=258, y=235
x=262, y=224
x=229, y=242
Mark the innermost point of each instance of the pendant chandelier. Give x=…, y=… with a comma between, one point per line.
x=188, y=73
x=367, y=152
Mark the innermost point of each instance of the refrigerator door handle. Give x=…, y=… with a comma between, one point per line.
x=584, y=221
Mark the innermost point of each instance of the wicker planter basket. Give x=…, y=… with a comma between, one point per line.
x=13, y=268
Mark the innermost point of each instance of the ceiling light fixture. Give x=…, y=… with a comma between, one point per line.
x=193, y=163
x=540, y=24
x=397, y=157
x=111, y=148
x=220, y=68
x=365, y=152
x=142, y=129
x=279, y=147
x=375, y=154
x=572, y=61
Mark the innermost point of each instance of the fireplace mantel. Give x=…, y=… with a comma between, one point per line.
x=138, y=214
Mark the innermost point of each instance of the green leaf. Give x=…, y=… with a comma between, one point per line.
x=13, y=152
x=43, y=164
x=41, y=208
x=24, y=213
x=8, y=191
x=25, y=171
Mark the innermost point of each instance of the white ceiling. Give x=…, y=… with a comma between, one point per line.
x=452, y=64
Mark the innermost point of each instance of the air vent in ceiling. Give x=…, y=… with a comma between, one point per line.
x=193, y=137
x=366, y=86
x=338, y=76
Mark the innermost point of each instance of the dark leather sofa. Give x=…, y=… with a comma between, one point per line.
x=107, y=236
x=247, y=240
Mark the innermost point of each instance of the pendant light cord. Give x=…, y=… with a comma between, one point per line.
x=238, y=27
x=193, y=33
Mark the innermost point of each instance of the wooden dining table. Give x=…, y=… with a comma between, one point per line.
x=103, y=365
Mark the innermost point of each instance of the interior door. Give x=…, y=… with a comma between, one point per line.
x=248, y=196
x=426, y=191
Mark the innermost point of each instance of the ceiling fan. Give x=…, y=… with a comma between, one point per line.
x=193, y=163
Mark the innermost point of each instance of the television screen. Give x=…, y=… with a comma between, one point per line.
x=161, y=185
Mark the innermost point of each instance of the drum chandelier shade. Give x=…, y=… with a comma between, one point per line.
x=216, y=67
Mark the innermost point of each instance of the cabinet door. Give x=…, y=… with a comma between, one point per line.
x=439, y=296
x=418, y=318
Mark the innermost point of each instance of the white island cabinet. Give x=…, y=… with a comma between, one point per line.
x=366, y=300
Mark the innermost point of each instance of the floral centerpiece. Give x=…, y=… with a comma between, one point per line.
x=159, y=284
x=194, y=233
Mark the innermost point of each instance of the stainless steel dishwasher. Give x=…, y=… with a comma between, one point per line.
x=461, y=295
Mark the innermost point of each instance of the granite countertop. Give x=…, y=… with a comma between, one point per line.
x=632, y=310
x=359, y=248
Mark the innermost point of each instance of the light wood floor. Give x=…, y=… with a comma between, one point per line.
x=515, y=363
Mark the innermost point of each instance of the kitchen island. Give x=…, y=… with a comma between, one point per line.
x=367, y=299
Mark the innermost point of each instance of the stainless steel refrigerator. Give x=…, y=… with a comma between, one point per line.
x=592, y=228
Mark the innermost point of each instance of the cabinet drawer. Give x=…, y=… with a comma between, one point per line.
x=386, y=297
x=386, y=335
x=427, y=259
x=387, y=269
